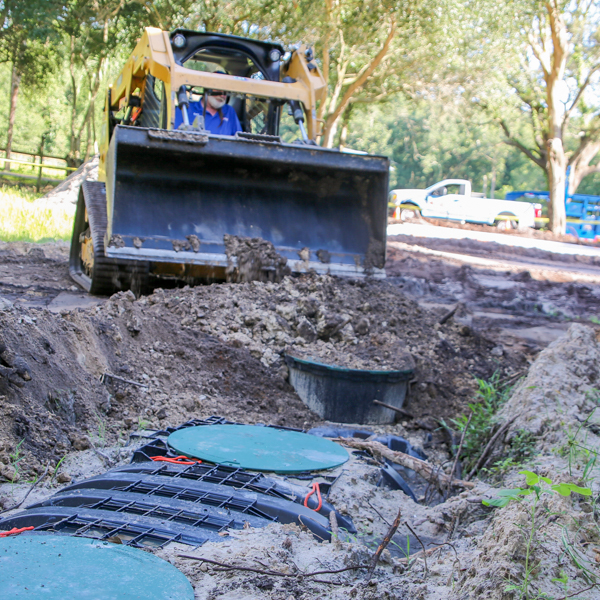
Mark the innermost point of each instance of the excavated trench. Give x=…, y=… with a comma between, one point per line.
x=89, y=384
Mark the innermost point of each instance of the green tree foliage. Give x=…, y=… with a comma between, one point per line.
x=368, y=50
x=404, y=78
x=93, y=30
x=428, y=140
x=549, y=54
x=27, y=36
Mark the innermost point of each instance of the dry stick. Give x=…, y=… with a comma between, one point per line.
x=28, y=492
x=506, y=380
x=386, y=540
x=382, y=517
x=580, y=591
x=491, y=444
x=457, y=456
x=400, y=411
x=269, y=572
x=422, y=546
x=453, y=548
x=449, y=314
x=104, y=375
x=423, y=468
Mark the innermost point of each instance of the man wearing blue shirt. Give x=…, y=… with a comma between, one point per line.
x=219, y=119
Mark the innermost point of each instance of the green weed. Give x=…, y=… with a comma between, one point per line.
x=142, y=424
x=60, y=462
x=491, y=396
x=537, y=487
x=522, y=448
x=101, y=436
x=577, y=452
x=15, y=458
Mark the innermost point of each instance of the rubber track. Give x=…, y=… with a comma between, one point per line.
x=109, y=275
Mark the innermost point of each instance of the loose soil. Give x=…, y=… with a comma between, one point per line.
x=79, y=375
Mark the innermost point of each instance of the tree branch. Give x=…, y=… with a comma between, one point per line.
x=359, y=82
x=511, y=141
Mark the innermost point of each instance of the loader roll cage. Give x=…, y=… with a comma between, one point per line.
x=259, y=82
x=238, y=57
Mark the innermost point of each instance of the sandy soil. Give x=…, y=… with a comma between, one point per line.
x=78, y=375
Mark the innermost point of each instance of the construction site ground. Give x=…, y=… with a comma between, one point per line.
x=79, y=375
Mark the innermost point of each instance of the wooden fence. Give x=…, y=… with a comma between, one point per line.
x=34, y=167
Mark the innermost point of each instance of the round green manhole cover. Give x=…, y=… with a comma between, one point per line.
x=57, y=567
x=258, y=448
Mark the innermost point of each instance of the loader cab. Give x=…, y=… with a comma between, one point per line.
x=238, y=57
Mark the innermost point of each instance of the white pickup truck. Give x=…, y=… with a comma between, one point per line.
x=453, y=199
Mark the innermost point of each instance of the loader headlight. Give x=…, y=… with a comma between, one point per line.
x=274, y=55
x=179, y=41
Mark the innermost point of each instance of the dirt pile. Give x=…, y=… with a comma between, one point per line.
x=355, y=323
x=557, y=404
x=180, y=354
x=562, y=394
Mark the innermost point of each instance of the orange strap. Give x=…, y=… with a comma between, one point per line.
x=178, y=460
x=16, y=531
x=315, y=489
x=135, y=113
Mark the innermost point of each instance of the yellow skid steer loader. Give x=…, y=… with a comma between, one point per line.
x=169, y=196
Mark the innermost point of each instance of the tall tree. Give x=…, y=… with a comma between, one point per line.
x=93, y=31
x=367, y=50
x=27, y=35
x=555, y=80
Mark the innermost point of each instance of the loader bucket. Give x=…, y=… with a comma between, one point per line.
x=173, y=196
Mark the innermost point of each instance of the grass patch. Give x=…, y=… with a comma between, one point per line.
x=22, y=219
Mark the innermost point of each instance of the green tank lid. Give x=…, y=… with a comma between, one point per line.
x=258, y=448
x=57, y=567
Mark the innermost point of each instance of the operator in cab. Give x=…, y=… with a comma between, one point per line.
x=219, y=117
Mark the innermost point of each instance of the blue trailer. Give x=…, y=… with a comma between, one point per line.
x=583, y=212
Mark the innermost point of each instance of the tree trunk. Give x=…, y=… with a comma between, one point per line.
x=73, y=157
x=88, y=147
x=345, y=123
x=15, y=82
x=335, y=112
x=557, y=166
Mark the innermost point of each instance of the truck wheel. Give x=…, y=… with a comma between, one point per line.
x=409, y=213
x=506, y=222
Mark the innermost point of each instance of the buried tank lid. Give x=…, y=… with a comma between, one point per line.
x=258, y=448
x=57, y=567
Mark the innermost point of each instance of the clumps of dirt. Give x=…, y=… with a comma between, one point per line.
x=366, y=358
x=219, y=349
x=159, y=374
x=565, y=386
x=357, y=323
x=528, y=232
x=497, y=251
x=253, y=259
